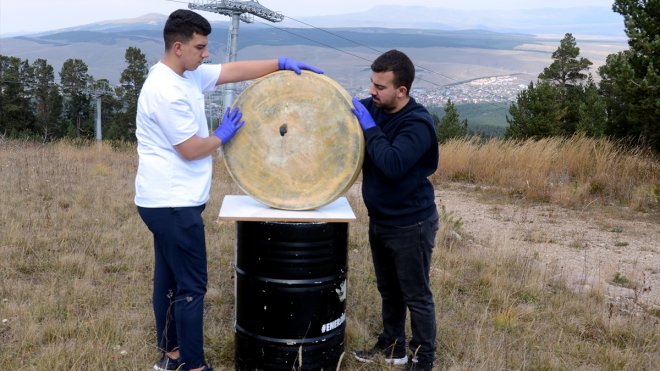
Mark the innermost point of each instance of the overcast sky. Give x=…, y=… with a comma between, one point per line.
x=24, y=16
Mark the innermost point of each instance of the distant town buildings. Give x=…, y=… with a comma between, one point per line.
x=492, y=89
x=484, y=90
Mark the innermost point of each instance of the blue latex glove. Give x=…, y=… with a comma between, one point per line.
x=284, y=63
x=363, y=116
x=229, y=125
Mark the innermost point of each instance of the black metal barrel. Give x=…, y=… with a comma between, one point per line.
x=290, y=295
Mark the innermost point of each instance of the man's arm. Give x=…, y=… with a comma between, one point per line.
x=197, y=147
x=250, y=70
x=395, y=158
x=246, y=70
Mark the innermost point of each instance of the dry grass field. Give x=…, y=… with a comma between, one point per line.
x=76, y=262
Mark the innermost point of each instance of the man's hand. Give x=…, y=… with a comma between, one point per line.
x=229, y=125
x=284, y=63
x=363, y=116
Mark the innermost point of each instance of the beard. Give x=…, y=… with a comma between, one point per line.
x=387, y=106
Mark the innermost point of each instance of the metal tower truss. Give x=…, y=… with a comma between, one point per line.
x=238, y=11
x=246, y=9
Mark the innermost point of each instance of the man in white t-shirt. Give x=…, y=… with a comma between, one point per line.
x=174, y=176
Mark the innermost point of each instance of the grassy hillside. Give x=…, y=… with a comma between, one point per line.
x=76, y=264
x=573, y=172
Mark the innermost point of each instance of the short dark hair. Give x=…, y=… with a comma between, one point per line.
x=399, y=63
x=182, y=24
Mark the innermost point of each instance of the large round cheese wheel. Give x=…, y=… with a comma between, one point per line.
x=301, y=146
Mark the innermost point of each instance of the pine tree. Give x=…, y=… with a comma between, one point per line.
x=74, y=80
x=16, y=118
x=47, y=100
x=451, y=126
x=592, y=114
x=567, y=72
x=566, y=69
x=537, y=112
x=132, y=79
x=631, y=79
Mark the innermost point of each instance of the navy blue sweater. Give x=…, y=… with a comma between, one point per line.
x=402, y=152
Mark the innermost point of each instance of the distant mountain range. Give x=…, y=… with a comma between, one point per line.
x=344, y=46
x=576, y=20
x=579, y=20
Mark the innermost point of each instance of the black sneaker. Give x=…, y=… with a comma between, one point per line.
x=166, y=363
x=205, y=368
x=393, y=354
x=414, y=365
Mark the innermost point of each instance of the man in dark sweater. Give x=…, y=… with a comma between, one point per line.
x=402, y=152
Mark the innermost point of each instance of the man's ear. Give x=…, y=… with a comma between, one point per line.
x=401, y=92
x=177, y=48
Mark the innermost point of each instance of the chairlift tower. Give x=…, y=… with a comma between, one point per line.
x=238, y=11
x=98, y=93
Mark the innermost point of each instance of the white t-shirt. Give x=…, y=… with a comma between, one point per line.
x=170, y=111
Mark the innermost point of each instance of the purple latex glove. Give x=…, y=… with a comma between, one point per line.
x=229, y=125
x=363, y=116
x=284, y=63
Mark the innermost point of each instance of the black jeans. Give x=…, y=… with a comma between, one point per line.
x=402, y=260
